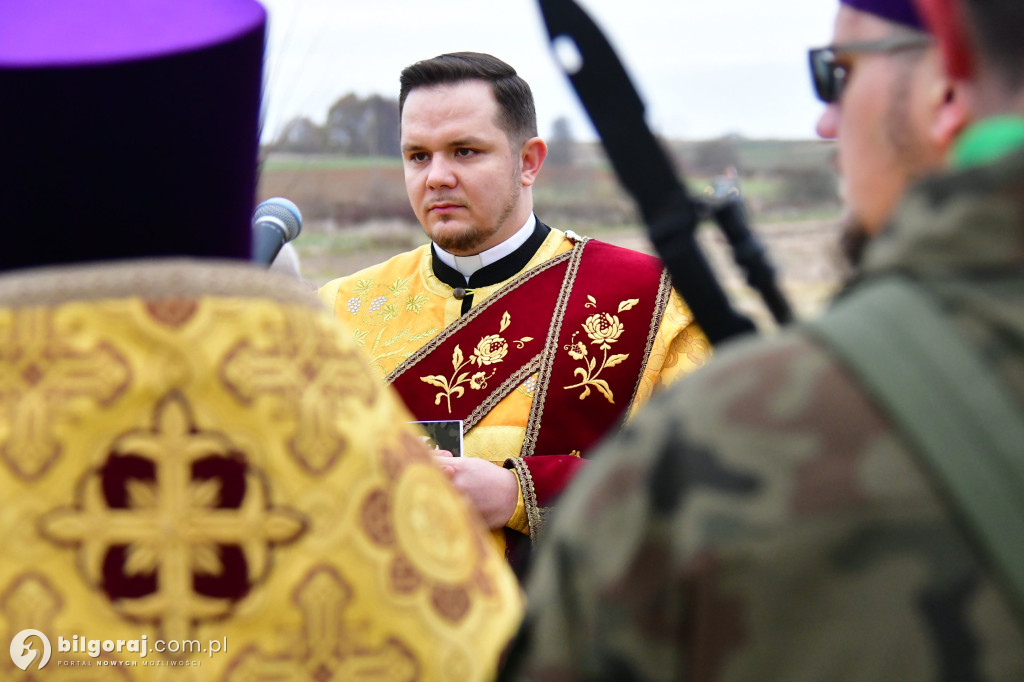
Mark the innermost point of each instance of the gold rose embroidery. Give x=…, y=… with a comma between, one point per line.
x=491, y=350
x=604, y=329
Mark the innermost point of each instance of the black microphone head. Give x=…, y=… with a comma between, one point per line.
x=282, y=213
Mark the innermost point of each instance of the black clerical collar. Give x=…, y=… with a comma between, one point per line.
x=489, y=275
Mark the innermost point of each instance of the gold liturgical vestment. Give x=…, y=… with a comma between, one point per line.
x=198, y=453
x=396, y=307
x=400, y=306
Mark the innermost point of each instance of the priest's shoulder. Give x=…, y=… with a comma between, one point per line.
x=627, y=257
x=404, y=264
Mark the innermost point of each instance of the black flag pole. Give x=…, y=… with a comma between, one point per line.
x=643, y=167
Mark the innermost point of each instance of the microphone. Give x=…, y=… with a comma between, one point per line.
x=275, y=222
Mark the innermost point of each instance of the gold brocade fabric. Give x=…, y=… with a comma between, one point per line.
x=195, y=452
x=396, y=307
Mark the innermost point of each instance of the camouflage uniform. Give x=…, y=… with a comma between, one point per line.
x=763, y=521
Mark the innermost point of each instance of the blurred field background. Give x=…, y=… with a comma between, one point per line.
x=356, y=212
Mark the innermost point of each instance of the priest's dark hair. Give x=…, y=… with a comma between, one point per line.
x=517, y=114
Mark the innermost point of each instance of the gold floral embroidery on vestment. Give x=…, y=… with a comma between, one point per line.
x=377, y=305
x=491, y=350
x=604, y=329
x=415, y=303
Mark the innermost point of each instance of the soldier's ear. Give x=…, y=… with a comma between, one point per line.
x=951, y=114
x=532, y=155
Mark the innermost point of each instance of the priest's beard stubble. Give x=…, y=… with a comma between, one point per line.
x=469, y=240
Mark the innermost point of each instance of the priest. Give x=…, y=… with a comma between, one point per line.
x=538, y=340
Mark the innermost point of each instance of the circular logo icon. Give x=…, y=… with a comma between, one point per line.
x=22, y=652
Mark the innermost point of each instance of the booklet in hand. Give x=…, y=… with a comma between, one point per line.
x=445, y=434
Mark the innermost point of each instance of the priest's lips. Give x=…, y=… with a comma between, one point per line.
x=444, y=207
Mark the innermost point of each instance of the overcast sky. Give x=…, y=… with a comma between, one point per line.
x=705, y=68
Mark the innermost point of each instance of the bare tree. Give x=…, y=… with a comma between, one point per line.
x=561, y=145
x=363, y=127
x=300, y=135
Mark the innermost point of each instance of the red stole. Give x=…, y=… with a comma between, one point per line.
x=587, y=336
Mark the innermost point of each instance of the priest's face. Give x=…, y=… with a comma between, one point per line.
x=464, y=176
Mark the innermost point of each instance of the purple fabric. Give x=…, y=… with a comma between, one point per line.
x=896, y=11
x=70, y=32
x=128, y=134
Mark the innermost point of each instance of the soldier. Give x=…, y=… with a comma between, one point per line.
x=898, y=115
x=800, y=509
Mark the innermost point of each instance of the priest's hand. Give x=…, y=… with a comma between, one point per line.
x=492, y=489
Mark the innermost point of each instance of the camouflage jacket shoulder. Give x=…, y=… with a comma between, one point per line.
x=769, y=523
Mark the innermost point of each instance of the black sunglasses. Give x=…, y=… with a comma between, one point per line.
x=829, y=78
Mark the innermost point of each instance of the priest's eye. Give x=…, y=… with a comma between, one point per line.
x=418, y=157
x=464, y=152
